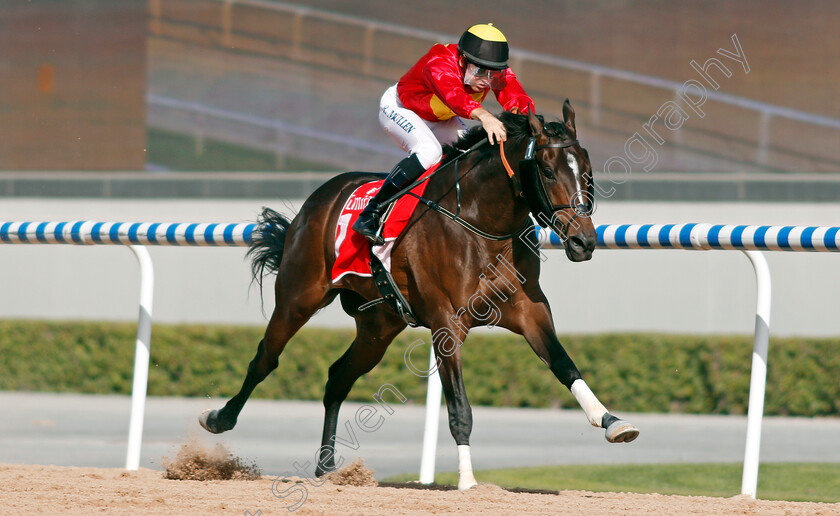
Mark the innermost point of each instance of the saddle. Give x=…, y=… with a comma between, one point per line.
x=356, y=255
x=385, y=284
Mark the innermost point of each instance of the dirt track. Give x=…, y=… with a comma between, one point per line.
x=52, y=490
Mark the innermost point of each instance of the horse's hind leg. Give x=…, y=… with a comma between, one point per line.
x=288, y=317
x=535, y=324
x=374, y=332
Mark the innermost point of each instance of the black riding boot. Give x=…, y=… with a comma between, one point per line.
x=370, y=219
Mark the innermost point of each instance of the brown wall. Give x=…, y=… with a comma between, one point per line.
x=72, y=85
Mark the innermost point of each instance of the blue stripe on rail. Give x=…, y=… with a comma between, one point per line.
x=642, y=235
x=132, y=233
x=41, y=233
x=599, y=232
x=4, y=232
x=783, y=238
x=758, y=237
x=228, y=234
x=830, y=237
x=621, y=236
x=806, y=240
x=246, y=235
x=190, y=234
x=208, y=234
x=22, y=232
x=151, y=233
x=94, y=232
x=685, y=236
x=58, y=232
x=171, y=237
x=76, y=232
x=736, y=235
x=553, y=238
x=665, y=235
x=114, y=233
x=714, y=236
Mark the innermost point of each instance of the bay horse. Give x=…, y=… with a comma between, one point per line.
x=439, y=267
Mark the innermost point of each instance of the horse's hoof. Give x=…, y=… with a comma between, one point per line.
x=466, y=482
x=621, y=432
x=209, y=421
x=320, y=472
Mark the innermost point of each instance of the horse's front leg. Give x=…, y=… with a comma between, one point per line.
x=447, y=345
x=533, y=321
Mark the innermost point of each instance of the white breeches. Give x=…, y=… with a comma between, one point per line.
x=413, y=134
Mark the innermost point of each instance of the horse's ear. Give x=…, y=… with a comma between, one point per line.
x=534, y=122
x=569, y=116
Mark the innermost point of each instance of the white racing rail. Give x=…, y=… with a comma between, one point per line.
x=749, y=239
x=135, y=235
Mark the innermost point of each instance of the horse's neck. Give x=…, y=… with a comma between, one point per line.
x=487, y=198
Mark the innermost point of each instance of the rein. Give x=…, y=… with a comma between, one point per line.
x=533, y=191
x=407, y=189
x=483, y=234
x=517, y=187
x=455, y=217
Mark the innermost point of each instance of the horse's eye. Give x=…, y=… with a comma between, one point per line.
x=548, y=173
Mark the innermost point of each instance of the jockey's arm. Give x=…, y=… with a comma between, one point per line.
x=492, y=125
x=513, y=97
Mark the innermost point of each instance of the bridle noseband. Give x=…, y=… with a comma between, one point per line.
x=534, y=189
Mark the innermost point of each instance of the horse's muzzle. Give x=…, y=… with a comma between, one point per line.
x=579, y=247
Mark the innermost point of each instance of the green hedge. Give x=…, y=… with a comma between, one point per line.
x=629, y=372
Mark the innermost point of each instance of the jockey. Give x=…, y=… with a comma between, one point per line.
x=424, y=109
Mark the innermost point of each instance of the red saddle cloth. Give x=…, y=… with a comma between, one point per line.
x=352, y=250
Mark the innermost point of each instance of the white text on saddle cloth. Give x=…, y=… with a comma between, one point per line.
x=357, y=203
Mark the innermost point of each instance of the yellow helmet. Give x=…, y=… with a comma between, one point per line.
x=485, y=45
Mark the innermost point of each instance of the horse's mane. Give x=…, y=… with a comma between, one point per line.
x=518, y=132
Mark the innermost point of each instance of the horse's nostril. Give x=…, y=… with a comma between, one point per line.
x=581, y=244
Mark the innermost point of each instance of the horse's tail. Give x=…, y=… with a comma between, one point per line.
x=267, y=243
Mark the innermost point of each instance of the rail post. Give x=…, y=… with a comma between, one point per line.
x=430, y=432
x=758, y=374
x=142, y=350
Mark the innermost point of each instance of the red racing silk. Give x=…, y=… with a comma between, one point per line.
x=434, y=88
x=352, y=250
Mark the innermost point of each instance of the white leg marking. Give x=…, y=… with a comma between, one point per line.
x=588, y=402
x=466, y=479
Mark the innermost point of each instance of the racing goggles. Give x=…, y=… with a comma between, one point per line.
x=480, y=76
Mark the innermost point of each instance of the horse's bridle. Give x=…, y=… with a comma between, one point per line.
x=455, y=217
x=535, y=193
x=534, y=190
